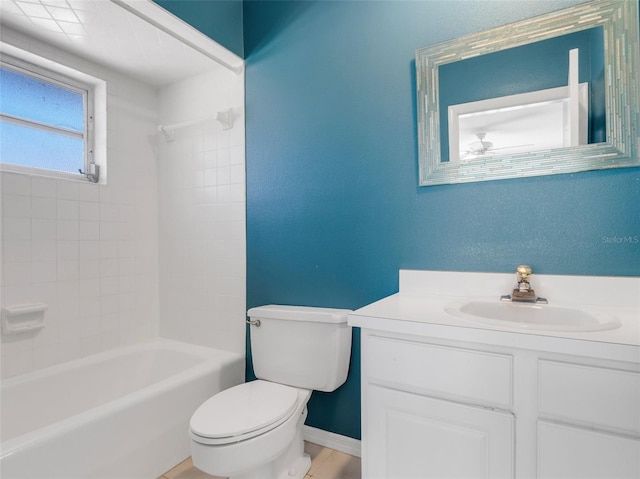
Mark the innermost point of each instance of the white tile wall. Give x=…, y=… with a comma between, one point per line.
x=202, y=214
x=88, y=251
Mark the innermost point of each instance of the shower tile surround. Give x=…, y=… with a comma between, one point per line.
x=90, y=252
x=93, y=252
x=202, y=213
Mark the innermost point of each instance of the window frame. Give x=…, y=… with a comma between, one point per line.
x=69, y=82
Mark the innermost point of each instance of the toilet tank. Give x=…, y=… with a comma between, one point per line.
x=301, y=346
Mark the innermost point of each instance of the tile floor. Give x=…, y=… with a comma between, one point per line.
x=325, y=464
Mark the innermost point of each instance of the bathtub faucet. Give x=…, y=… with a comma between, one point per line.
x=523, y=291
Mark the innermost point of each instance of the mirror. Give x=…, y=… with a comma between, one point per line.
x=522, y=126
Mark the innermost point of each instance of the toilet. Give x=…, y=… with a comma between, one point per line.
x=254, y=430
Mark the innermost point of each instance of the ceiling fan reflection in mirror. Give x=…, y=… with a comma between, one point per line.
x=522, y=123
x=484, y=147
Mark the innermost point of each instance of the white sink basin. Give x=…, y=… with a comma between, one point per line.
x=539, y=317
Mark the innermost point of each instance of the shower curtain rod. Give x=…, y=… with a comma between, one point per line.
x=123, y=4
x=225, y=118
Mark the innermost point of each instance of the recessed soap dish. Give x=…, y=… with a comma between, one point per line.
x=23, y=317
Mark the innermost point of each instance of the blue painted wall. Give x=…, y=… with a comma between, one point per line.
x=220, y=20
x=333, y=206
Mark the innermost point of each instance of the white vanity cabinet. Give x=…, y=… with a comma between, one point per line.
x=433, y=407
x=446, y=395
x=453, y=420
x=412, y=435
x=588, y=420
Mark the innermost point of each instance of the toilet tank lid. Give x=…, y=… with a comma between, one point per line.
x=300, y=313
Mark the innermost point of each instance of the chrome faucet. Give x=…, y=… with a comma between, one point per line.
x=523, y=291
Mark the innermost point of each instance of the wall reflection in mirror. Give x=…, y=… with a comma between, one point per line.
x=527, y=98
x=530, y=98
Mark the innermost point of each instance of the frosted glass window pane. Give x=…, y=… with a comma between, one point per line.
x=34, y=99
x=25, y=146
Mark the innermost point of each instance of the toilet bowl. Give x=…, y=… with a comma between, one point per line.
x=254, y=430
x=250, y=432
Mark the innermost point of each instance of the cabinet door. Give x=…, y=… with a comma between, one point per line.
x=574, y=453
x=573, y=393
x=413, y=436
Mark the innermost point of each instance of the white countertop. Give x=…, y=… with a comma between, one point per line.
x=419, y=309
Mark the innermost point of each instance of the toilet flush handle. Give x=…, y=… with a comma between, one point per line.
x=254, y=322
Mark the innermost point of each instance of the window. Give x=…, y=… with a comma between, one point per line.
x=46, y=120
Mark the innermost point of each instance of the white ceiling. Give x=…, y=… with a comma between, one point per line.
x=104, y=31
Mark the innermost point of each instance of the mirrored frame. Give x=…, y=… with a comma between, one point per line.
x=619, y=19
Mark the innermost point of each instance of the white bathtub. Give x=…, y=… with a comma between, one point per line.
x=115, y=415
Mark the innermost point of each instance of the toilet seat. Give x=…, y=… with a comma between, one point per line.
x=243, y=412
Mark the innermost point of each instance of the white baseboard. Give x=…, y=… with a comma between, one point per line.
x=332, y=440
